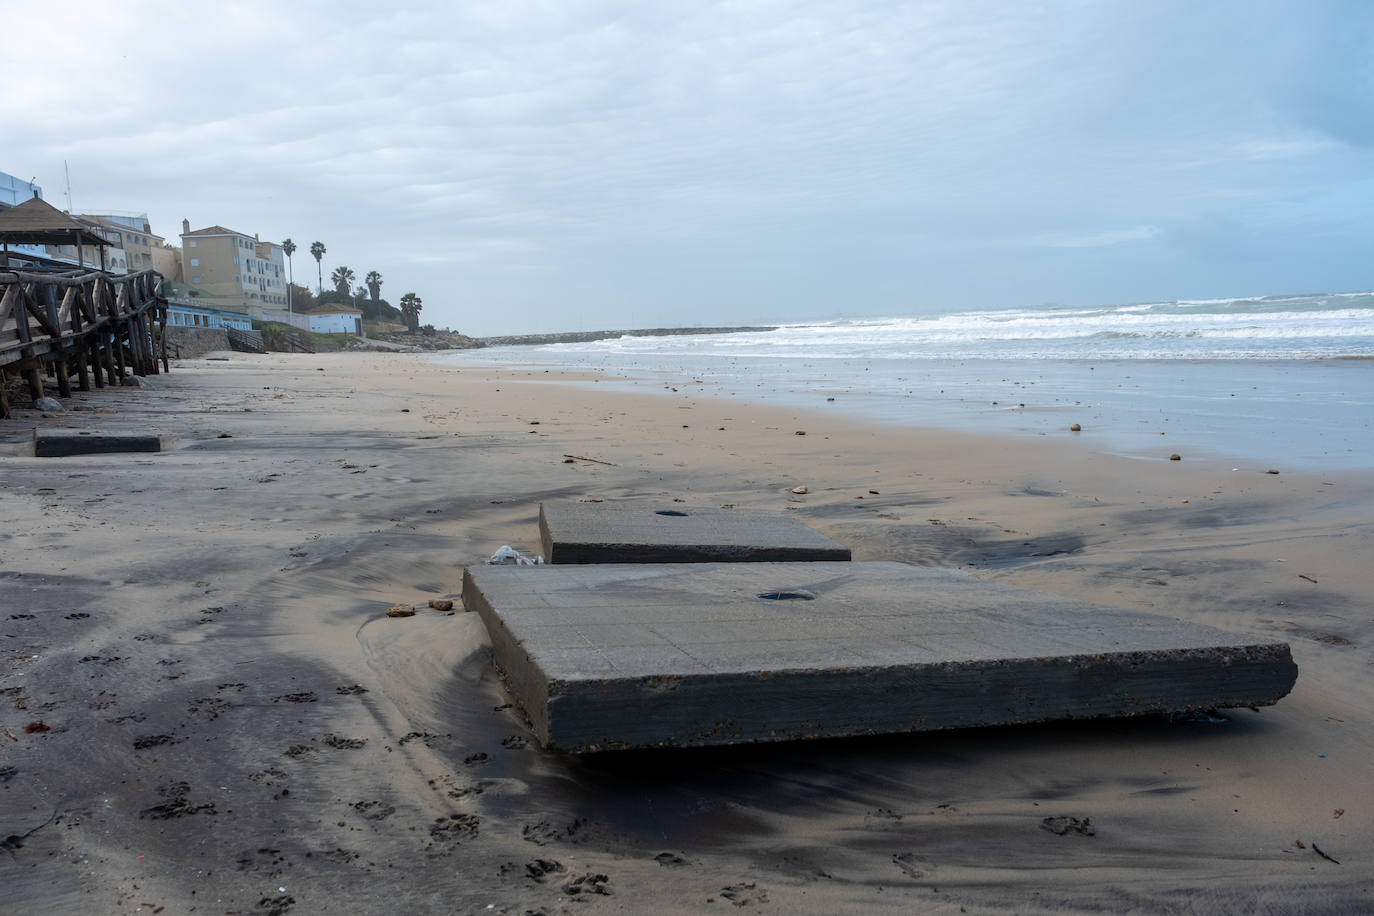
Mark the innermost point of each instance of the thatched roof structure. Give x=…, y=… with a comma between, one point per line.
x=37, y=222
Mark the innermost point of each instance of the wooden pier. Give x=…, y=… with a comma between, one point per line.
x=93, y=324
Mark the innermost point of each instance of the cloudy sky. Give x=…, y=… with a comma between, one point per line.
x=577, y=165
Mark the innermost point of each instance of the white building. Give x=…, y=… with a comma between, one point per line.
x=14, y=191
x=330, y=320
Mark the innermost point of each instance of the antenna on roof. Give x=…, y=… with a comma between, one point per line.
x=68, y=172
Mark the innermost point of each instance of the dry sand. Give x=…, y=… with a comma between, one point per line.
x=236, y=726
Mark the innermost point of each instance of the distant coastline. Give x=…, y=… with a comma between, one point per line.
x=534, y=340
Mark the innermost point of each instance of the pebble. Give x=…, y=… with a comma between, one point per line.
x=54, y=404
x=1271, y=471
x=400, y=610
x=1075, y=428
x=800, y=491
x=1175, y=457
x=801, y=432
x=441, y=604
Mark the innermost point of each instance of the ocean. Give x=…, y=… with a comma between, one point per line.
x=1283, y=381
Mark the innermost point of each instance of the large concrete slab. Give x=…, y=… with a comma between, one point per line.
x=61, y=443
x=622, y=656
x=652, y=532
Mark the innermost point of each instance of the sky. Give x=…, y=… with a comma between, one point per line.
x=534, y=166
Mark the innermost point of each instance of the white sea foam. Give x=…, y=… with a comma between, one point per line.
x=1127, y=369
x=1276, y=327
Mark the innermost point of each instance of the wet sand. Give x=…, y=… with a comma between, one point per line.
x=235, y=725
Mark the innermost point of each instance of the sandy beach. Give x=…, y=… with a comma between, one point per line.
x=206, y=708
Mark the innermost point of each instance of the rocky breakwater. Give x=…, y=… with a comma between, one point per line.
x=527, y=340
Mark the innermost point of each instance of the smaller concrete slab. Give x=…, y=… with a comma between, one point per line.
x=62, y=443
x=623, y=656
x=647, y=531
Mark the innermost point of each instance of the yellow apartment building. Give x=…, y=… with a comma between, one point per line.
x=233, y=270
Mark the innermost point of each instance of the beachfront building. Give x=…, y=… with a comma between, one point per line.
x=116, y=256
x=14, y=191
x=187, y=308
x=180, y=314
x=233, y=271
x=336, y=320
x=130, y=232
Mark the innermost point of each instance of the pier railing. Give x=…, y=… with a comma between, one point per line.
x=98, y=324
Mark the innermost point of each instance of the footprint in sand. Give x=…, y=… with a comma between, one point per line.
x=307, y=696
x=589, y=883
x=374, y=810
x=744, y=894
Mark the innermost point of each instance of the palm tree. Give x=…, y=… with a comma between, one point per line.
x=410, y=311
x=317, y=249
x=374, y=287
x=342, y=278
x=288, y=248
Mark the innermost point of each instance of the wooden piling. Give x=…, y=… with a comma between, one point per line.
x=101, y=325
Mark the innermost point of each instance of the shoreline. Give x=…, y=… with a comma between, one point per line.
x=1226, y=412
x=234, y=719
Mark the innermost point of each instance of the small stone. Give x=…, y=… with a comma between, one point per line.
x=1075, y=428
x=801, y=432
x=441, y=604
x=1271, y=471
x=224, y=436
x=47, y=404
x=400, y=610
x=829, y=399
x=1175, y=457
x=800, y=491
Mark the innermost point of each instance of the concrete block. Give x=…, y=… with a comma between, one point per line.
x=618, y=656
x=62, y=443
x=646, y=531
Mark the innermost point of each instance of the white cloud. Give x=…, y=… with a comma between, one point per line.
x=1101, y=238
x=701, y=160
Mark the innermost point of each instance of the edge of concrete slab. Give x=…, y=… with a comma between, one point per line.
x=525, y=680
x=587, y=552
x=63, y=443
x=803, y=704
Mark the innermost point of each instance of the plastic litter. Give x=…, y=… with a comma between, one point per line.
x=509, y=556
